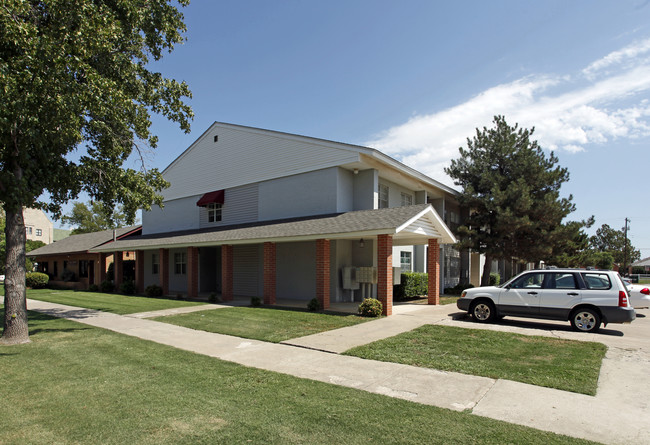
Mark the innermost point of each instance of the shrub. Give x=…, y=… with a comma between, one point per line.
x=106, y=286
x=214, y=298
x=153, y=290
x=93, y=288
x=128, y=287
x=36, y=280
x=457, y=289
x=180, y=297
x=256, y=301
x=313, y=305
x=495, y=279
x=412, y=285
x=370, y=307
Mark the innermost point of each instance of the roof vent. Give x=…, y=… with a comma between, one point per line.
x=216, y=137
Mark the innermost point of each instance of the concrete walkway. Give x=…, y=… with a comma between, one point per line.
x=618, y=414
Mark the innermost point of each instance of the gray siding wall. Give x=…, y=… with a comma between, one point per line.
x=247, y=270
x=365, y=190
x=296, y=270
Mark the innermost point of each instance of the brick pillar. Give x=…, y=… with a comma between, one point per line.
x=164, y=270
x=102, y=267
x=118, y=269
x=385, y=272
x=192, y=272
x=139, y=271
x=227, y=273
x=269, y=273
x=433, y=269
x=323, y=272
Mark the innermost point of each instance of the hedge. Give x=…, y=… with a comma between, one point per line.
x=413, y=285
x=36, y=280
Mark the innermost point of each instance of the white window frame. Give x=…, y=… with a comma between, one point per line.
x=407, y=199
x=39, y=232
x=383, y=192
x=155, y=264
x=214, y=212
x=406, y=266
x=180, y=263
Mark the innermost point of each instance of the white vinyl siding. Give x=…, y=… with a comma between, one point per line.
x=240, y=206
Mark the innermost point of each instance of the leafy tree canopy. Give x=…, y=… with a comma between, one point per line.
x=512, y=190
x=94, y=218
x=614, y=241
x=77, y=93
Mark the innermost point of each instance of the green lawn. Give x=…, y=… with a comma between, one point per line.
x=115, y=303
x=78, y=384
x=273, y=325
x=554, y=363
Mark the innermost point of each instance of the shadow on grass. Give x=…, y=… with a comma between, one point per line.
x=303, y=310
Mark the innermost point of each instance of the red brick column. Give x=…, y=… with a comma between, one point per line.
x=385, y=272
x=164, y=270
x=192, y=272
x=227, y=273
x=102, y=267
x=433, y=269
x=269, y=273
x=323, y=272
x=139, y=271
x=118, y=269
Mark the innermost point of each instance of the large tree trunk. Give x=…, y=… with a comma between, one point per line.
x=15, y=322
x=487, y=267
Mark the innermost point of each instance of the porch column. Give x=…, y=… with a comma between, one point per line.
x=139, y=271
x=227, y=273
x=118, y=269
x=269, y=273
x=385, y=273
x=102, y=268
x=192, y=272
x=433, y=269
x=323, y=272
x=164, y=270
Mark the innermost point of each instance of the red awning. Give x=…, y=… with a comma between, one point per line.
x=215, y=197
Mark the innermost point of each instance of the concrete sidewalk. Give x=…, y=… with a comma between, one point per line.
x=618, y=414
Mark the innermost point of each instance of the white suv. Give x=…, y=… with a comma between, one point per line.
x=584, y=297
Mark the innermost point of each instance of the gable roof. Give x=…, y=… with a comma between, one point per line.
x=83, y=242
x=408, y=225
x=642, y=262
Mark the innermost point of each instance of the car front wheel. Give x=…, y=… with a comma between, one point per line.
x=585, y=320
x=483, y=312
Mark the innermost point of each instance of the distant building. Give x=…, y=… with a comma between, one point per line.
x=38, y=226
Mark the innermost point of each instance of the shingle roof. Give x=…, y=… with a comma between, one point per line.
x=345, y=225
x=643, y=262
x=81, y=243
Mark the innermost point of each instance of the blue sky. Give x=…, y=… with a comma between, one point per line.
x=415, y=78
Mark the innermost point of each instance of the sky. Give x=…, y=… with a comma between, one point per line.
x=415, y=79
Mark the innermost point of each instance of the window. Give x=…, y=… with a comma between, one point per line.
x=529, y=281
x=383, y=196
x=407, y=200
x=39, y=232
x=180, y=263
x=405, y=261
x=28, y=230
x=597, y=281
x=214, y=212
x=83, y=268
x=562, y=281
x=155, y=264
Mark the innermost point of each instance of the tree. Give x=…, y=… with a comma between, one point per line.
x=614, y=241
x=94, y=219
x=77, y=93
x=512, y=190
x=570, y=246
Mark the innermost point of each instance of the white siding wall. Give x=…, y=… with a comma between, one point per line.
x=240, y=206
x=365, y=190
x=395, y=193
x=149, y=277
x=178, y=214
x=245, y=156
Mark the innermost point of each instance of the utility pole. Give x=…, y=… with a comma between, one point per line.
x=625, y=253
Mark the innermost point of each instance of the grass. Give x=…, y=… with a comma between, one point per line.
x=78, y=384
x=562, y=364
x=114, y=303
x=272, y=325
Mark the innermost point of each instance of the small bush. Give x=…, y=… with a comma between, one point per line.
x=256, y=301
x=180, y=297
x=153, y=290
x=370, y=307
x=313, y=305
x=457, y=289
x=128, y=287
x=106, y=286
x=214, y=298
x=495, y=279
x=93, y=288
x=412, y=285
x=36, y=280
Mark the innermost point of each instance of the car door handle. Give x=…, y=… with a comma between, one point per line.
x=573, y=293
x=532, y=293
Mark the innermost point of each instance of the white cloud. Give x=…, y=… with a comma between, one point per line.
x=568, y=112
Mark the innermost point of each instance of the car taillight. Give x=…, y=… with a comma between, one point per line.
x=465, y=293
x=645, y=291
x=622, y=299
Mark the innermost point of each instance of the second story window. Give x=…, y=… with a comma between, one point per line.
x=28, y=230
x=383, y=196
x=407, y=200
x=214, y=212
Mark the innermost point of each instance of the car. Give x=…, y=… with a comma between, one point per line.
x=584, y=297
x=639, y=295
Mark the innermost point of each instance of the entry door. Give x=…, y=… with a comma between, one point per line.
x=523, y=295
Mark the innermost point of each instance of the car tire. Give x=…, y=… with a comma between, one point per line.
x=585, y=320
x=483, y=311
